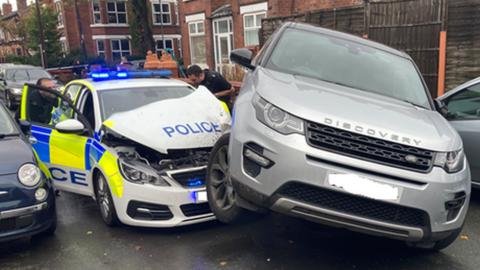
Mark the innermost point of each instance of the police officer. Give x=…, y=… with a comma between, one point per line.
x=220, y=87
x=42, y=102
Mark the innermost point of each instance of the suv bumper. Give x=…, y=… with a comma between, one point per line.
x=418, y=214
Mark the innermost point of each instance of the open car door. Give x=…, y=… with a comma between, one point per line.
x=61, y=136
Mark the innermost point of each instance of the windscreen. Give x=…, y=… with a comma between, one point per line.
x=6, y=125
x=26, y=74
x=121, y=100
x=348, y=63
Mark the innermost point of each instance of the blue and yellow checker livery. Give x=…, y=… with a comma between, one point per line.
x=71, y=146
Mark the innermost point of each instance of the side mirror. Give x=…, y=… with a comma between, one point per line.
x=56, y=76
x=441, y=108
x=25, y=126
x=242, y=57
x=70, y=126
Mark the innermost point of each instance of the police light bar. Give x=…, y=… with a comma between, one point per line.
x=106, y=75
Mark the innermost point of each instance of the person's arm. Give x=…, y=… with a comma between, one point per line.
x=221, y=83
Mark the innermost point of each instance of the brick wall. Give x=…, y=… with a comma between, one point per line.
x=7, y=8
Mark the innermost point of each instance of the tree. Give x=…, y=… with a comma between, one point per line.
x=53, y=47
x=140, y=26
x=17, y=28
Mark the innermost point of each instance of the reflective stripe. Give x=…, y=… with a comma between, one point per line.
x=42, y=166
x=67, y=150
x=108, y=123
x=110, y=166
x=88, y=166
x=225, y=106
x=23, y=105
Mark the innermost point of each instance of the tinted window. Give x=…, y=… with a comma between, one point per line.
x=465, y=104
x=114, y=101
x=348, y=63
x=26, y=74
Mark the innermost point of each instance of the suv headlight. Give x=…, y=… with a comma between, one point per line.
x=139, y=173
x=276, y=118
x=16, y=91
x=451, y=162
x=29, y=175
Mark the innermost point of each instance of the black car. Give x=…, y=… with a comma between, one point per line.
x=12, y=79
x=27, y=199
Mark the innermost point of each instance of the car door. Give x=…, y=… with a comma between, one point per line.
x=65, y=153
x=464, y=107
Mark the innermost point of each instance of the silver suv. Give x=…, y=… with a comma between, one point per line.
x=340, y=130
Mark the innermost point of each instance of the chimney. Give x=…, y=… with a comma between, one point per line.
x=21, y=4
x=7, y=8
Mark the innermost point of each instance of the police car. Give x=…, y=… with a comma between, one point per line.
x=137, y=142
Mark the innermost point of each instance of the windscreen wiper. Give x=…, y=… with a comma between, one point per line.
x=3, y=135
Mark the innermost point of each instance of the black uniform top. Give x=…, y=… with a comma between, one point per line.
x=216, y=83
x=40, y=109
x=77, y=70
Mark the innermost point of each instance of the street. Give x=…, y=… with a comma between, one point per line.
x=272, y=241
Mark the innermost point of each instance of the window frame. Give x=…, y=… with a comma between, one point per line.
x=117, y=12
x=196, y=34
x=96, y=12
x=58, y=8
x=164, y=43
x=255, y=27
x=121, y=50
x=217, y=36
x=99, y=52
x=162, y=13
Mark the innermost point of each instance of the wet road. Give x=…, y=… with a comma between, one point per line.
x=272, y=241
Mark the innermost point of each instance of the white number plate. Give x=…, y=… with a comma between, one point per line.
x=363, y=186
x=200, y=196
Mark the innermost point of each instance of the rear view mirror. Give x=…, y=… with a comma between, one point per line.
x=25, y=126
x=56, y=77
x=441, y=108
x=70, y=126
x=242, y=57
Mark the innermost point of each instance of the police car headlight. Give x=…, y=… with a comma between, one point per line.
x=276, y=118
x=139, y=173
x=29, y=175
x=16, y=91
x=451, y=162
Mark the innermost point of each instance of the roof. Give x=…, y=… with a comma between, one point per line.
x=22, y=67
x=225, y=10
x=132, y=83
x=14, y=13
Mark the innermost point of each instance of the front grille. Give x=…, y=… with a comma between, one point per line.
x=7, y=225
x=192, y=179
x=190, y=210
x=148, y=211
x=354, y=205
x=368, y=148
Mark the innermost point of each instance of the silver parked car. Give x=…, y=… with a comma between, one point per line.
x=340, y=130
x=463, y=104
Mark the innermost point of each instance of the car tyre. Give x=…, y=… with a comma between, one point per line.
x=105, y=201
x=220, y=193
x=438, y=245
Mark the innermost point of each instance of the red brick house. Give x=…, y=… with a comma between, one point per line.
x=105, y=26
x=10, y=44
x=212, y=29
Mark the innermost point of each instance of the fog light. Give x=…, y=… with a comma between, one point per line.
x=455, y=205
x=40, y=194
x=257, y=158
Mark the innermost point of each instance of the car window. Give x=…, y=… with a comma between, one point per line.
x=348, y=63
x=261, y=54
x=120, y=100
x=35, y=74
x=6, y=125
x=17, y=75
x=465, y=104
x=71, y=92
x=45, y=109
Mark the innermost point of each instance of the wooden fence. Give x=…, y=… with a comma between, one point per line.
x=413, y=26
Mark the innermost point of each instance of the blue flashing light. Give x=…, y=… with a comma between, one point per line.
x=195, y=182
x=100, y=75
x=122, y=75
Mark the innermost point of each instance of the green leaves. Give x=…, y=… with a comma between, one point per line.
x=53, y=47
x=140, y=26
